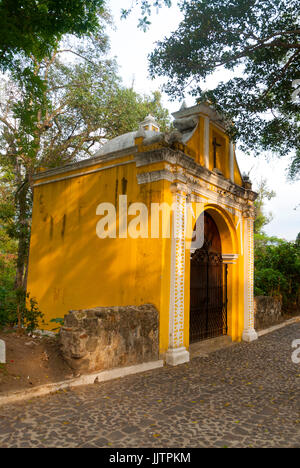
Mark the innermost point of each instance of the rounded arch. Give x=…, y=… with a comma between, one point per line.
x=230, y=251
x=225, y=224
x=226, y=228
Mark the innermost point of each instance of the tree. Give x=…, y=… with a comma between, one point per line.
x=259, y=41
x=82, y=104
x=32, y=27
x=277, y=269
x=146, y=7
x=261, y=219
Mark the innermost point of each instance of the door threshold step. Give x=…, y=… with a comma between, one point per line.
x=205, y=347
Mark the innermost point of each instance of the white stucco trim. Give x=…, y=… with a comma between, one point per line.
x=176, y=356
x=87, y=379
x=177, y=353
x=230, y=258
x=206, y=142
x=80, y=174
x=231, y=161
x=249, y=333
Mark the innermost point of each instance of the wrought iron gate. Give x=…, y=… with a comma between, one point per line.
x=208, y=309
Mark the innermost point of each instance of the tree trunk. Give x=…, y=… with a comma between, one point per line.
x=23, y=245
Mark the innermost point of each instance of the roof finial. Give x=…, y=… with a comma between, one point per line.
x=183, y=106
x=141, y=132
x=150, y=124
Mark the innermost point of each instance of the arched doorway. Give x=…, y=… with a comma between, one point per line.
x=208, y=287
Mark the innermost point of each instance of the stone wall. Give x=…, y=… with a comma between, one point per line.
x=267, y=311
x=109, y=337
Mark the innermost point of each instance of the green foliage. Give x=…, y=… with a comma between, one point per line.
x=32, y=317
x=269, y=282
x=15, y=304
x=58, y=320
x=7, y=305
x=8, y=251
x=18, y=308
x=277, y=268
x=261, y=219
x=32, y=27
x=56, y=110
x=259, y=41
x=146, y=7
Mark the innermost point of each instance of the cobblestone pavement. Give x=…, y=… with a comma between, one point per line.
x=243, y=396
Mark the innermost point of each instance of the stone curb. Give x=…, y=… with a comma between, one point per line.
x=277, y=327
x=12, y=397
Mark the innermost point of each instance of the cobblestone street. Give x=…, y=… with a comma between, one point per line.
x=247, y=395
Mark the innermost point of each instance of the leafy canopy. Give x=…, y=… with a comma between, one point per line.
x=259, y=41
x=261, y=218
x=277, y=269
x=32, y=27
x=146, y=7
x=55, y=110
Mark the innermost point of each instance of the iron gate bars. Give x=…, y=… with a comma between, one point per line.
x=208, y=306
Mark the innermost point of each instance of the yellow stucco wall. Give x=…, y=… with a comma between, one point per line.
x=195, y=149
x=71, y=268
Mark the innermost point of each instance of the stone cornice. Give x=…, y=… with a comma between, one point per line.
x=85, y=163
x=202, y=110
x=189, y=173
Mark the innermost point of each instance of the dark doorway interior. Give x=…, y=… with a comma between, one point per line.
x=208, y=298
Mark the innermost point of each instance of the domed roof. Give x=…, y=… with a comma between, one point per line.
x=123, y=142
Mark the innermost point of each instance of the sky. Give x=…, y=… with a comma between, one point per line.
x=131, y=47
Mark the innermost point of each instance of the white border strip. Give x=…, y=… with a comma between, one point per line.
x=12, y=397
x=83, y=173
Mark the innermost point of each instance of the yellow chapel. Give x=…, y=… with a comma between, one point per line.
x=153, y=218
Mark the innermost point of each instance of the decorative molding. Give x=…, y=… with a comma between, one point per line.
x=86, y=163
x=177, y=354
x=248, y=211
x=249, y=333
x=206, y=142
x=231, y=161
x=80, y=174
x=186, y=167
x=198, y=187
x=163, y=155
x=148, y=177
x=230, y=259
x=201, y=110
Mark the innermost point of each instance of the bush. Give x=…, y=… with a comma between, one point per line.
x=31, y=314
x=277, y=268
x=269, y=282
x=7, y=293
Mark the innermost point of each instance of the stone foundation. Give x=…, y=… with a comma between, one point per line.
x=108, y=337
x=267, y=311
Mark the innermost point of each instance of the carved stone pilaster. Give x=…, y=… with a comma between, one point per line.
x=249, y=333
x=177, y=353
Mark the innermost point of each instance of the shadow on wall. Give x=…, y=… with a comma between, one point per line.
x=70, y=267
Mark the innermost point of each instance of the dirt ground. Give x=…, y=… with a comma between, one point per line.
x=31, y=361
x=35, y=360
